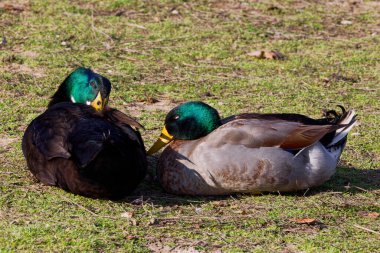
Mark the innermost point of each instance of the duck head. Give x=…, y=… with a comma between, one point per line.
x=84, y=86
x=188, y=121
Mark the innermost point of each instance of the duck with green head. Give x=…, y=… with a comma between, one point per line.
x=82, y=145
x=247, y=153
x=84, y=86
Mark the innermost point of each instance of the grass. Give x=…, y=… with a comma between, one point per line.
x=160, y=53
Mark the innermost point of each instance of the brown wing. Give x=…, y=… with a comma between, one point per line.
x=117, y=116
x=48, y=133
x=293, y=117
x=257, y=133
x=125, y=123
x=306, y=135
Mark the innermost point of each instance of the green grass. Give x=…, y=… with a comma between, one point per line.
x=174, y=51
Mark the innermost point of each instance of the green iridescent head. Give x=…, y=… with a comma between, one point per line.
x=84, y=86
x=192, y=120
x=188, y=121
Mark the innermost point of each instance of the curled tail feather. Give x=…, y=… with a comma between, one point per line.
x=347, y=120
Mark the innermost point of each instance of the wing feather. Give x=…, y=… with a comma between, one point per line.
x=257, y=133
x=49, y=133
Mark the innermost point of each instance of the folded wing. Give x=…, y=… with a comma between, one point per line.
x=255, y=133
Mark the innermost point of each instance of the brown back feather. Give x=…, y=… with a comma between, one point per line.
x=306, y=135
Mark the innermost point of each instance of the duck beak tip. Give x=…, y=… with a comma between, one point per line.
x=162, y=141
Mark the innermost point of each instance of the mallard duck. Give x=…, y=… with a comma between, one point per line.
x=81, y=145
x=247, y=153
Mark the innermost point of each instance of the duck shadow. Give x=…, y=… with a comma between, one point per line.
x=346, y=180
x=351, y=180
x=151, y=192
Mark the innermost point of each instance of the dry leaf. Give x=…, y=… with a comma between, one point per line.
x=370, y=214
x=126, y=215
x=373, y=215
x=346, y=22
x=309, y=221
x=220, y=203
x=131, y=237
x=270, y=55
x=197, y=226
x=11, y=7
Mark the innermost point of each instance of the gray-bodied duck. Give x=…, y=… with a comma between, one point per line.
x=248, y=153
x=83, y=146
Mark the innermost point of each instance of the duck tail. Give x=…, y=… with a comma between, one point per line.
x=347, y=121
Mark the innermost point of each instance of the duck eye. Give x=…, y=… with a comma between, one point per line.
x=176, y=117
x=93, y=84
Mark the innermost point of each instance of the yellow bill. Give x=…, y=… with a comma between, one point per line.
x=165, y=138
x=97, y=103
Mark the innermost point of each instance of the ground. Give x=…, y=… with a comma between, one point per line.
x=160, y=53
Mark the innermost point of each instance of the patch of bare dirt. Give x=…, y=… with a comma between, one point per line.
x=338, y=16
x=159, y=246
x=301, y=229
x=348, y=14
x=6, y=141
x=135, y=108
x=239, y=10
x=14, y=6
x=25, y=69
x=180, y=245
x=30, y=54
x=335, y=15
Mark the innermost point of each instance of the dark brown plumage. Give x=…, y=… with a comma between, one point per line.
x=87, y=152
x=94, y=154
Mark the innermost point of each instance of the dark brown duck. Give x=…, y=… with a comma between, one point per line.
x=81, y=145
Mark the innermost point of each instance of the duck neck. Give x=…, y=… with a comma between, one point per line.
x=61, y=95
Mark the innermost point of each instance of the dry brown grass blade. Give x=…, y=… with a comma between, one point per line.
x=366, y=229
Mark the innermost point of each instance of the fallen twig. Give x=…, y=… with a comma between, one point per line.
x=94, y=29
x=86, y=209
x=333, y=192
x=206, y=66
x=367, y=229
x=205, y=217
x=135, y=25
x=359, y=188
